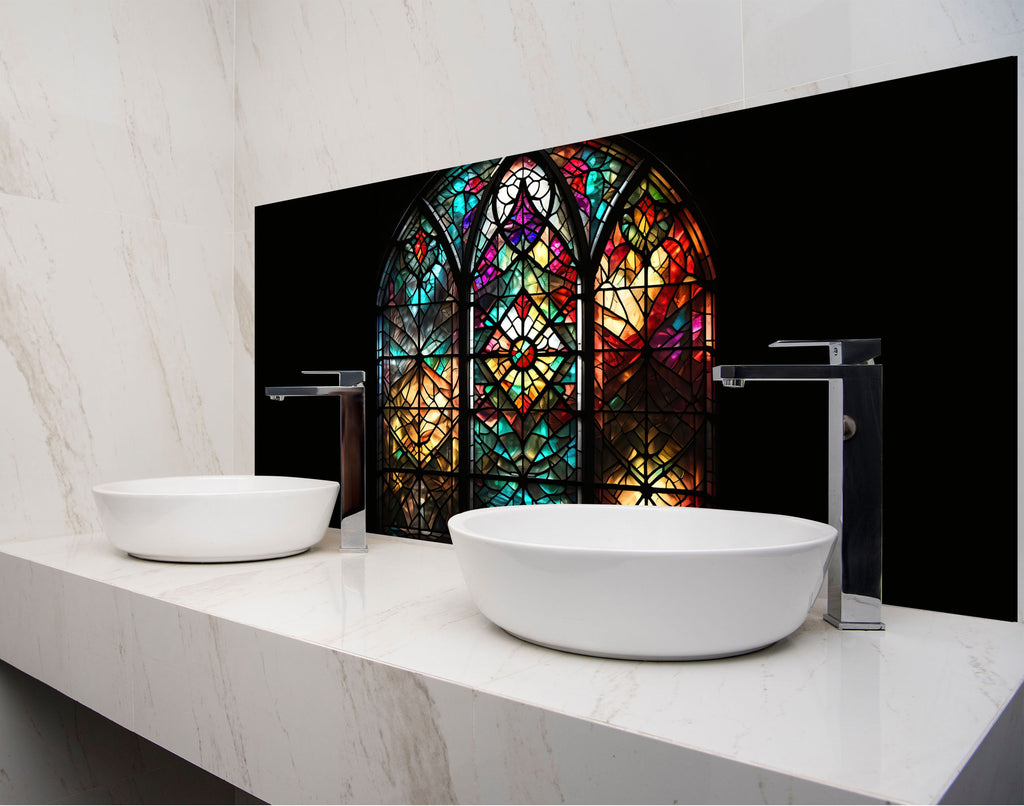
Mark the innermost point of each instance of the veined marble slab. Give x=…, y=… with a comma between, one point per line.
x=373, y=678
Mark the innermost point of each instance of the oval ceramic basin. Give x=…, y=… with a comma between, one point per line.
x=209, y=519
x=646, y=583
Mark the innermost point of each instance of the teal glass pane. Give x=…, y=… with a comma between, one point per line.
x=456, y=197
x=502, y=492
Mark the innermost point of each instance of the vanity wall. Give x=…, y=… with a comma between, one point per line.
x=460, y=92
x=333, y=96
x=823, y=215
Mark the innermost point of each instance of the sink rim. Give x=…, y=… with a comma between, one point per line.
x=150, y=486
x=826, y=532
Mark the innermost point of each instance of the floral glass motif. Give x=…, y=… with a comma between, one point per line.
x=532, y=305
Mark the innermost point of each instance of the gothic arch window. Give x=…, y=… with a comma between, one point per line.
x=546, y=333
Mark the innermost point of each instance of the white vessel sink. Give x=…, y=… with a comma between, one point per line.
x=209, y=519
x=646, y=583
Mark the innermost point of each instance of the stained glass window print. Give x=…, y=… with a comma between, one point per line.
x=546, y=334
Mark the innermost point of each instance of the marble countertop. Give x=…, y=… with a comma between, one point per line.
x=823, y=715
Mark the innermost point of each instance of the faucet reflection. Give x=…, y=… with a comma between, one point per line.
x=854, y=468
x=351, y=392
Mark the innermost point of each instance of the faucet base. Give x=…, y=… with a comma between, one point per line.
x=854, y=625
x=353, y=533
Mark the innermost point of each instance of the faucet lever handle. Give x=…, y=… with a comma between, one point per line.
x=346, y=377
x=333, y=372
x=840, y=351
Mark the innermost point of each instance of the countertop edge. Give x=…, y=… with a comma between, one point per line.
x=104, y=653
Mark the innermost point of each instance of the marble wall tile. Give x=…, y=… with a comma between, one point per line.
x=116, y=354
x=926, y=62
x=518, y=75
x=244, y=351
x=335, y=95
x=797, y=42
x=123, y=106
x=116, y=313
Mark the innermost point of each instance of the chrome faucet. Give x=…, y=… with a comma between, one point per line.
x=854, y=468
x=350, y=389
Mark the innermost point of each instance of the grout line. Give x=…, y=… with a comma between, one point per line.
x=235, y=327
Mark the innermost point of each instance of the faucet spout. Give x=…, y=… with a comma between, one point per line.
x=854, y=471
x=848, y=358
x=349, y=382
x=350, y=389
x=737, y=374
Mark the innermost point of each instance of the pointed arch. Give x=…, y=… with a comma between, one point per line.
x=418, y=373
x=653, y=343
x=525, y=346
